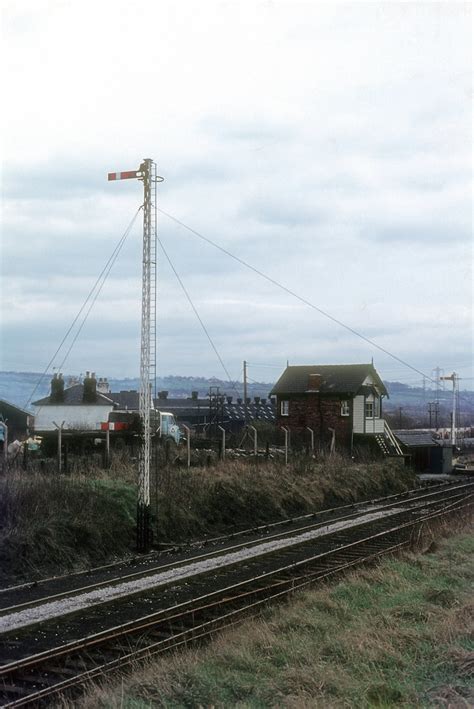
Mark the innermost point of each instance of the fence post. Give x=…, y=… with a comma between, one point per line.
x=107, y=447
x=286, y=431
x=5, y=446
x=188, y=444
x=60, y=433
x=333, y=441
x=255, y=440
x=221, y=428
x=311, y=433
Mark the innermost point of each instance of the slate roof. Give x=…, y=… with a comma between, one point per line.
x=125, y=399
x=73, y=397
x=415, y=439
x=7, y=407
x=185, y=408
x=335, y=379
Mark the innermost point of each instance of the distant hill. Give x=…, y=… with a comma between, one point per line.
x=18, y=386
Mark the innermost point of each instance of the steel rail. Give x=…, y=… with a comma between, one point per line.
x=204, y=629
x=412, y=501
x=358, y=528
x=266, y=553
x=207, y=627
x=439, y=488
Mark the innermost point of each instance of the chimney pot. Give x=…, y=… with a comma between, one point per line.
x=229, y=399
x=239, y=401
x=256, y=399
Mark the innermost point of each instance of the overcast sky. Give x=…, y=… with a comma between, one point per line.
x=328, y=145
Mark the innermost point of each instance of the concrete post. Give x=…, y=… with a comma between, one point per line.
x=221, y=428
x=332, y=448
x=311, y=434
x=255, y=440
x=286, y=432
x=5, y=446
x=188, y=444
x=60, y=433
x=107, y=447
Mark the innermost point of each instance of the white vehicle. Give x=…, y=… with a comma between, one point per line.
x=168, y=426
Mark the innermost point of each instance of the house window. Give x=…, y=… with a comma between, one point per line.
x=369, y=409
x=345, y=408
x=285, y=408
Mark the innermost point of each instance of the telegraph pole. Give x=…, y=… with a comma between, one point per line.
x=147, y=174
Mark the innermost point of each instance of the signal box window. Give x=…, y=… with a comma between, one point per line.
x=285, y=408
x=369, y=409
x=345, y=408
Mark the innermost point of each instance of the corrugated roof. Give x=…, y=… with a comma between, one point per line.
x=73, y=397
x=335, y=378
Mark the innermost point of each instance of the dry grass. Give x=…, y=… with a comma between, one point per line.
x=400, y=634
x=50, y=524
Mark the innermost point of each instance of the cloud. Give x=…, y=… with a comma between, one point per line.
x=328, y=146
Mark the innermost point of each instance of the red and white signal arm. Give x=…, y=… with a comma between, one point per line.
x=128, y=175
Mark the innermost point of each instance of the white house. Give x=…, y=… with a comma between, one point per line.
x=82, y=407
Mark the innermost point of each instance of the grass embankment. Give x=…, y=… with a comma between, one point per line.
x=50, y=524
x=399, y=634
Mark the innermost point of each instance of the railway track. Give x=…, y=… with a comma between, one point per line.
x=198, y=604
x=26, y=595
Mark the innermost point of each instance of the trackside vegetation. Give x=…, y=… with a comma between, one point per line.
x=51, y=524
x=396, y=635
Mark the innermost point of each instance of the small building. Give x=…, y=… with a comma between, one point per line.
x=424, y=452
x=81, y=406
x=340, y=403
x=19, y=421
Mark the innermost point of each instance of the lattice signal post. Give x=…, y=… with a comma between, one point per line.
x=147, y=174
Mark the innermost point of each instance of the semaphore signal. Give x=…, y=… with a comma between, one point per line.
x=147, y=174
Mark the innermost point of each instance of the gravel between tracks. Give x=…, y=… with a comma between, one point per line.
x=54, y=609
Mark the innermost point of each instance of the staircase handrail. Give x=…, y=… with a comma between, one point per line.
x=389, y=433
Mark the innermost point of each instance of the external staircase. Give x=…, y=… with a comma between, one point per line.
x=387, y=443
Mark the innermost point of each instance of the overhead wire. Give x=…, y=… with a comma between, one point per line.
x=110, y=261
x=293, y=294
x=206, y=332
x=96, y=295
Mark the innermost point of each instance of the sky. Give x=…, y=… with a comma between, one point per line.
x=326, y=144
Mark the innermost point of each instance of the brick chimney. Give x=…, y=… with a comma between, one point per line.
x=103, y=385
x=194, y=395
x=163, y=394
x=57, y=389
x=89, y=392
x=314, y=382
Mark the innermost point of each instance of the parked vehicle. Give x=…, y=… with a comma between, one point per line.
x=162, y=422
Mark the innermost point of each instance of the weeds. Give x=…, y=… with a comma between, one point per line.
x=379, y=638
x=51, y=523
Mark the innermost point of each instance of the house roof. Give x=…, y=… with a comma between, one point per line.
x=415, y=439
x=73, y=397
x=335, y=379
x=190, y=408
x=7, y=406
